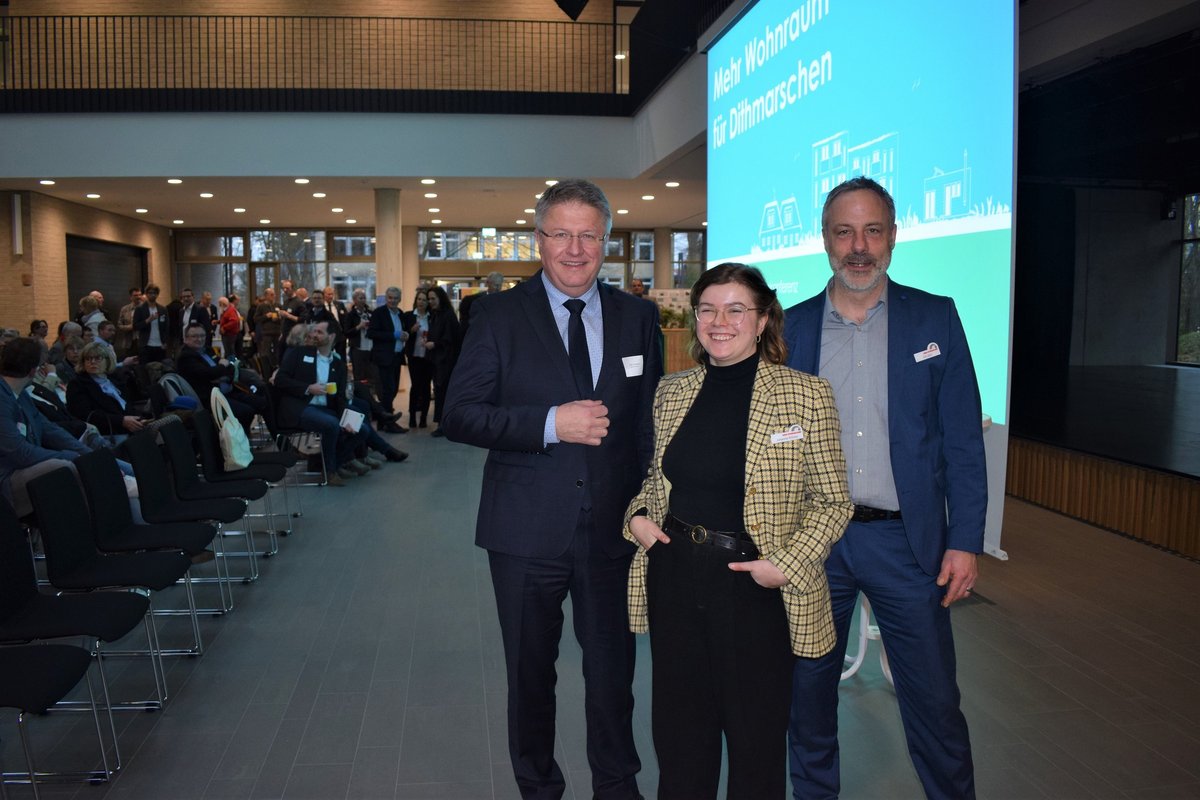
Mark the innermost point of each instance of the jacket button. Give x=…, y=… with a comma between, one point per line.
x=752, y=490
x=754, y=527
x=579, y=484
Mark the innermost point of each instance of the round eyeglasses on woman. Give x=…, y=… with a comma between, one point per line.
x=734, y=315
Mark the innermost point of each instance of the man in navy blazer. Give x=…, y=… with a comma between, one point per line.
x=566, y=454
x=911, y=430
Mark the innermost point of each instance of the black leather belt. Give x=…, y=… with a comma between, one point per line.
x=868, y=514
x=726, y=540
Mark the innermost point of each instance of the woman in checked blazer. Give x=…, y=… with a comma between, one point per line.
x=744, y=498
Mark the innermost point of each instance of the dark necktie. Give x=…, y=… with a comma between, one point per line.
x=577, y=348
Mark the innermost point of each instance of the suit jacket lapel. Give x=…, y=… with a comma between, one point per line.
x=898, y=321
x=762, y=418
x=612, y=337
x=541, y=321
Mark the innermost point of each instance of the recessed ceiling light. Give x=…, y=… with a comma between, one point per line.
x=434, y=210
x=318, y=195
x=206, y=195
x=351, y=222
x=93, y=196
x=239, y=211
x=46, y=182
x=292, y=233
x=619, y=56
x=301, y=181
x=530, y=211
x=705, y=223
x=177, y=221
x=672, y=184
x=622, y=210
x=520, y=222
x=141, y=211
x=308, y=241
x=428, y=181
x=430, y=195
x=551, y=182
x=337, y=210
x=264, y=222
x=647, y=197
x=436, y=221
x=175, y=181
x=537, y=196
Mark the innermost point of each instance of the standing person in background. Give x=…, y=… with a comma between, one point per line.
x=388, y=332
x=291, y=310
x=126, y=339
x=229, y=324
x=557, y=382
x=214, y=314
x=190, y=312
x=911, y=430
x=492, y=284
x=337, y=311
x=420, y=369
x=357, y=320
x=151, y=323
x=90, y=314
x=39, y=329
x=267, y=324
x=441, y=348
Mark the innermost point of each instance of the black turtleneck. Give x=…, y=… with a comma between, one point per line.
x=706, y=461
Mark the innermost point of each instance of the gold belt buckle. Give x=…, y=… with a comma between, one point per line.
x=699, y=534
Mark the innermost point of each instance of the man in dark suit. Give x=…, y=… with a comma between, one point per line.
x=388, y=331
x=203, y=370
x=311, y=383
x=151, y=323
x=492, y=284
x=189, y=311
x=557, y=381
x=906, y=393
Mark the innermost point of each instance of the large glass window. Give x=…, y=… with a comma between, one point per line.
x=1188, y=344
x=687, y=257
x=345, y=278
x=487, y=244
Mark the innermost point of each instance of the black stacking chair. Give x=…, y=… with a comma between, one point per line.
x=33, y=678
x=181, y=456
x=116, y=531
x=27, y=615
x=271, y=470
x=159, y=503
x=73, y=564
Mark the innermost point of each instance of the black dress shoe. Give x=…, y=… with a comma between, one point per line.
x=384, y=419
x=392, y=427
x=395, y=455
x=439, y=432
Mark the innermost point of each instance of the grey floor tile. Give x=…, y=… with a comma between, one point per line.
x=331, y=735
x=444, y=744
x=318, y=782
x=374, y=774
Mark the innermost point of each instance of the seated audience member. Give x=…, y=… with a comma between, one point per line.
x=70, y=365
x=39, y=329
x=93, y=396
x=66, y=330
x=50, y=397
x=30, y=445
x=311, y=385
x=201, y=368
x=106, y=334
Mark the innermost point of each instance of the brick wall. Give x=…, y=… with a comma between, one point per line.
x=47, y=223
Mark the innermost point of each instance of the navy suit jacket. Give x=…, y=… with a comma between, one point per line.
x=382, y=334
x=299, y=371
x=513, y=369
x=40, y=440
x=934, y=418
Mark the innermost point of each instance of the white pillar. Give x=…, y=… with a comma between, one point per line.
x=389, y=254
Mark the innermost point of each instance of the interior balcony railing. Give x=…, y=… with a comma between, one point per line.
x=293, y=63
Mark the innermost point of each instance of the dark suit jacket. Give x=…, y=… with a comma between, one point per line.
x=382, y=335
x=88, y=402
x=514, y=369
x=196, y=371
x=199, y=315
x=141, y=324
x=446, y=337
x=299, y=371
x=350, y=322
x=934, y=418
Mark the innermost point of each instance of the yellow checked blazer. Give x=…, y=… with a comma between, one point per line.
x=796, y=502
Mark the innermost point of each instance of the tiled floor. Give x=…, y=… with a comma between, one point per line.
x=366, y=664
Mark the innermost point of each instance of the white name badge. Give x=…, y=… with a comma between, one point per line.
x=931, y=351
x=792, y=433
x=309, y=360
x=633, y=366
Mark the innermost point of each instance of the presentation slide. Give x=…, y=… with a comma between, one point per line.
x=918, y=96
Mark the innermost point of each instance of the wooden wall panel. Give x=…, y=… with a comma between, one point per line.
x=1158, y=507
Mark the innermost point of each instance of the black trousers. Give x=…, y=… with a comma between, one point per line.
x=529, y=598
x=722, y=664
x=420, y=374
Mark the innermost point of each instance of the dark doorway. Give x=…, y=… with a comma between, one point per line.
x=111, y=268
